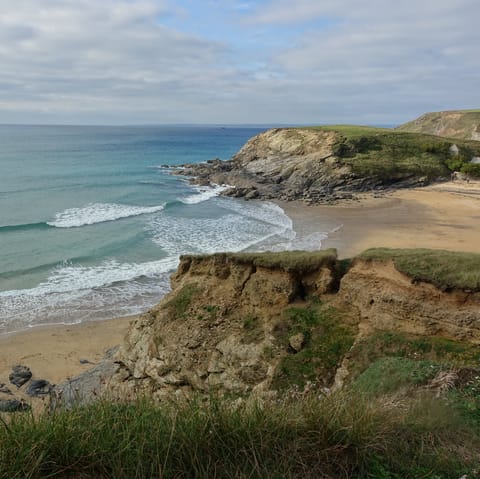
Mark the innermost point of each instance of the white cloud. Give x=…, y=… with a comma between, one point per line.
x=121, y=61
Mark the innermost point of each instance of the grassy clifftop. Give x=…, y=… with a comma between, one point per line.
x=393, y=154
x=444, y=269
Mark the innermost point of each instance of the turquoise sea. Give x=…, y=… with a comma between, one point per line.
x=92, y=225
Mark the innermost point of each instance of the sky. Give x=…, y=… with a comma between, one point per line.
x=379, y=62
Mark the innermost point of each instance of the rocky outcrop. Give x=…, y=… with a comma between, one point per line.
x=326, y=164
x=216, y=329
x=287, y=164
x=463, y=124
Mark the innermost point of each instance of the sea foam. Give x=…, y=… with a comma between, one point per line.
x=204, y=193
x=242, y=226
x=99, y=213
x=74, y=293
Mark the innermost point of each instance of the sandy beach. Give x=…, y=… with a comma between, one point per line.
x=57, y=353
x=444, y=216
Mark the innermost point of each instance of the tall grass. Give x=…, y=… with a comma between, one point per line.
x=340, y=436
x=444, y=269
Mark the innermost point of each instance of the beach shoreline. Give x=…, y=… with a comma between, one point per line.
x=60, y=352
x=442, y=216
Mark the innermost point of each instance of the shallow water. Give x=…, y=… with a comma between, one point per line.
x=91, y=225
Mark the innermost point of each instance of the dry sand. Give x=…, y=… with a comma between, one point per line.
x=55, y=353
x=445, y=216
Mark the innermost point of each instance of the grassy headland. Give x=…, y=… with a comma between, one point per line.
x=388, y=153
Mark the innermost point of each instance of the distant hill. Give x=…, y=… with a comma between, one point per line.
x=463, y=124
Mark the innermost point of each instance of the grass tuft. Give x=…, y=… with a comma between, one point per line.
x=291, y=261
x=326, y=341
x=445, y=269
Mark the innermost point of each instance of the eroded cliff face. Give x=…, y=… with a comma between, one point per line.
x=216, y=329
x=222, y=326
x=388, y=300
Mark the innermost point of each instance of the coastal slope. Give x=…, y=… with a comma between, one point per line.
x=462, y=124
x=238, y=323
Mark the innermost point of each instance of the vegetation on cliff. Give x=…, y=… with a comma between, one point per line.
x=394, y=154
x=444, y=269
x=300, y=262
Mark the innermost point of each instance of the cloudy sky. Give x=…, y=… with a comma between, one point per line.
x=236, y=61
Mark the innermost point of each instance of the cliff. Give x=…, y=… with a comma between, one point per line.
x=238, y=323
x=462, y=124
x=325, y=164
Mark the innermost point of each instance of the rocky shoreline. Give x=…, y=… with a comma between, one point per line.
x=323, y=166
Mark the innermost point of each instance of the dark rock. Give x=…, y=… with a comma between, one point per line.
x=4, y=389
x=89, y=385
x=20, y=375
x=39, y=387
x=85, y=361
x=252, y=195
x=13, y=405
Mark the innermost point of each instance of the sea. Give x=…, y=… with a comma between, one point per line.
x=92, y=222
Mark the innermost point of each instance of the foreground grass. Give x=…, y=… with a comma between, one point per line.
x=337, y=437
x=444, y=269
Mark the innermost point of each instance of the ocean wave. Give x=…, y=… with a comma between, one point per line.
x=265, y=212
x=68, y=277
x=242, y=226
x=22, y=227
x=74, y=294
x=204, y=193
x=99, y=213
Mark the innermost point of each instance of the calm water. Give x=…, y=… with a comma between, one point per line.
x=91, y=225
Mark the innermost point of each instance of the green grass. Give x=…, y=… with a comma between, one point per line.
x=394, y=155
x=291, y=261
x=388, y=344
x=445, y=269
x=391, y=374
x=351, y=131
x=338, y=437
x=181, y=302
x=326, y=342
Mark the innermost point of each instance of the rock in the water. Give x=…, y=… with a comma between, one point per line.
x=13, y=405
x=39, y=387
x=4, y=389
x=297, y=341
x=20, y=375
